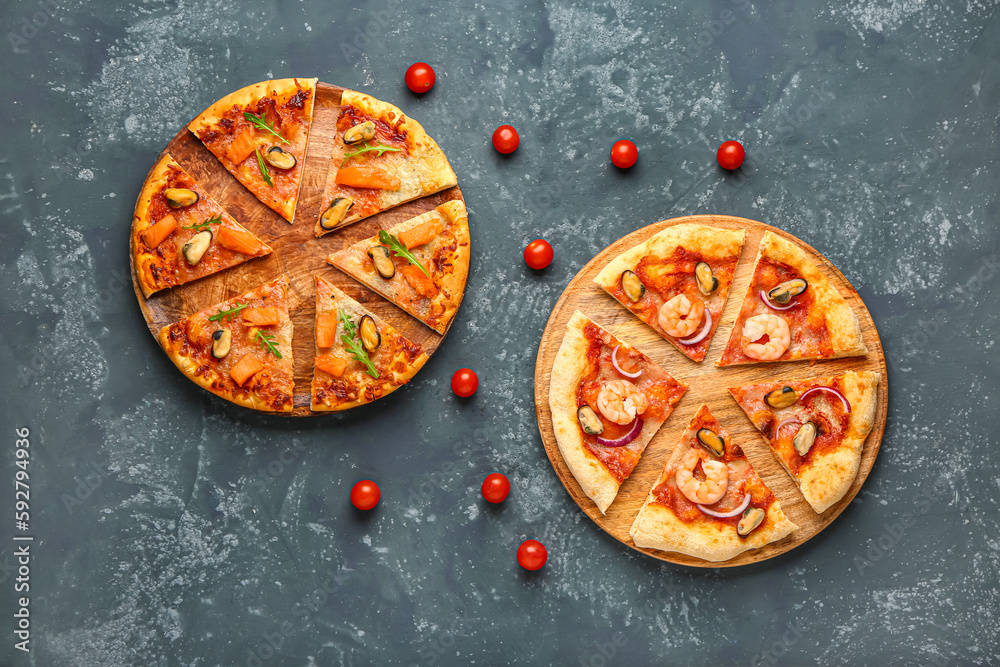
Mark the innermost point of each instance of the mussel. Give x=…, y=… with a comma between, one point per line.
x=370, y=337
x=196, y=248
x=804, y=439
x=711, y=441
x=180, y=197
x=707, y=282
x=751, y=519
x=333, y=216
x=589, y=421
x=222, y=341
x=632, y=286
x=279, y=158
x=787, y=290
x=781, y=398
x=360, y=132
x=382, y=261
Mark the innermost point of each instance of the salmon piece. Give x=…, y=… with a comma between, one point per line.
x=261, y=317
x=332, y=364
x=243, y=145
x=421, y=234
x=238, y=240
x=155, y=234
x=248, y=366
x=326, y=329
x=418, y=281
x=367, y=177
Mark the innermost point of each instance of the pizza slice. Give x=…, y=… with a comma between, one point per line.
x=709, y=502
x=816, y=428
x=791, y=311
x=240, y=349
x=259, y=134
x=421, y=264
x=607, y=399
x=179, y=233
x=677, y=282
x=358, y=356
x=380, y=159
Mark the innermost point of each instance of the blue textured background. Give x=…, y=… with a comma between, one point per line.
x=175, y=529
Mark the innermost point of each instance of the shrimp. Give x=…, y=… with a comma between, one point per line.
x=702, y=492
x=620, y=401
x=681, y=316
x=765, y=337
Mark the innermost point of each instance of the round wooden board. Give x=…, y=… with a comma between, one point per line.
x=297, y=252
x=707, y=384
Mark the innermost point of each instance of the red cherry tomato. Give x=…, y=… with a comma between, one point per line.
x=464, y=382
x=538, y=254
x=531, y=555
x=624, y=154
x=420, y=77
x=730, y=155
x=365, y=494
x=495, y=488
x=506, y=139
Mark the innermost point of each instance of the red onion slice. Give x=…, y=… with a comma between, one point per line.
x=843, y=399
x=770, y=304
x=625, y=439
x=614, y=362
x=777, y=431
x=726, y=515
x=700, y=336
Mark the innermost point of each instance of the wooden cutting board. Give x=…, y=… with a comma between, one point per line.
x=706, y=384
x=297, y=252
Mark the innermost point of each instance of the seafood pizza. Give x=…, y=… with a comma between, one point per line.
x=608, y=399
x=816, y=429
x=709, y=502
x=791, y=311
x=677, y=282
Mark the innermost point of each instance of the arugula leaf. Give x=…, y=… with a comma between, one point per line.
x=380, y=147
x=352, y=345
x=267, y=343
x=215, y=220
x=261, y=124
x=228, y=314
x=394, y=244
x=263, y=168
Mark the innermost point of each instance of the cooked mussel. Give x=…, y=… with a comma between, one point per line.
x=632, y=286
x=370, y=337
x=333, y=216
x=222, y=341
x=804, y=439
x=781, y=398
x=787, y=290
x=751, y=519
x=360, y=132
x=180, y=197
x=589, y=421
x=382, y=261
x=707, y=282
x=712, y=441
x=279, y=158
x=196, y=248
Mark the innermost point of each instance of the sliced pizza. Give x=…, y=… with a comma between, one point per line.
x=240, y=349
x=709, y=502
x=358, y=356
x=677, y=282
x=816, y=428
x=607, y=399
x=791, y=311
x=421, y=264
x=259, y=133
x=380, y=159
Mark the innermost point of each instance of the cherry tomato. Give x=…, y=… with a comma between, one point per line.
x=365, y=494
x=495, y=488
x=464, y=382
x=624, y=154
x=506, y=139
x=420, y=77
x=730, y=155
x=538, y=254
x=531, y=555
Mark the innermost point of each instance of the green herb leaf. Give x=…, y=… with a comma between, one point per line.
x=261, y=124
x=352, y=345
x=365, y=148
x=215, y=220
x=263, y=169
x=267, y=343
x=228, y=314
x=394, y=244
